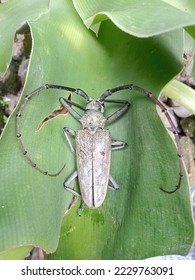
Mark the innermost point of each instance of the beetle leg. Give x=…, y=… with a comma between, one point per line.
x=74, y=104
x=68, y=182
x=70, y=205
x=73, y=133
x=66, y=186
x=64, y=102
x=114, y=185
x=81, y=208
x=117, y=144
x=119, y=112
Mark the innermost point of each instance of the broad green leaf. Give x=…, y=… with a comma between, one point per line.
x=12, y=16
x=176, y=90
x=181, y=93
x=139, y=220
x=186, y=6
x=189, y=48
x=131, y=16
x=191, y=31
x=16, y=253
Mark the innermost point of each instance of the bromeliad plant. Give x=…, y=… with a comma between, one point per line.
x=134, y=222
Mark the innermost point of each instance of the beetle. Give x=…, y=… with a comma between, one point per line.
x=94, y=142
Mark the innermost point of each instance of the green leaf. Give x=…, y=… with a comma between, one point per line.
x=139, y=220
x=176, y=90
x=181, y=93
x=189, y=49
x=131, y=16
x=12, y=15
x=16, y=253
x=186, y=6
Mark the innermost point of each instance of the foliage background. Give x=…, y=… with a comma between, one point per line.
x=138, y=221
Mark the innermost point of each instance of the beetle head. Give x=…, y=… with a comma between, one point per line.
x=95, y=105
x=93, y=117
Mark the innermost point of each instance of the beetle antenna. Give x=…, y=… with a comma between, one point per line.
x=18, y=121
x=109, y=92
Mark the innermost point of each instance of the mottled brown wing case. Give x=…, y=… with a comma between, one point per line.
x=93, y=163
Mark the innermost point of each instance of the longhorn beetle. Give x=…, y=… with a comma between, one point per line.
x=94, y=143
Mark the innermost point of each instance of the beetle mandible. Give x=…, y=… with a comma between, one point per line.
x=94, y=143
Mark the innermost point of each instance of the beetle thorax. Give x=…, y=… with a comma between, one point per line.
x=93, y=117
x=92, y=120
